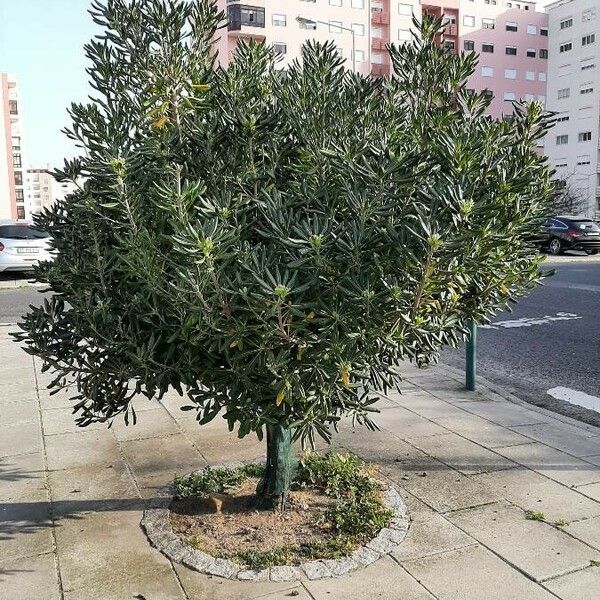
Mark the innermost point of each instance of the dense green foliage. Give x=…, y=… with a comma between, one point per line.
x=273, y=244
x=210, y=480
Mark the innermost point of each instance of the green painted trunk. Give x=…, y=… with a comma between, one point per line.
x=273, y=488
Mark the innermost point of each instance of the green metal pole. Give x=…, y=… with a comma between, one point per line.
x=471, y=356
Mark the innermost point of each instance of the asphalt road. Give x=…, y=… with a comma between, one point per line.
x=531, y=357
x=550, y=340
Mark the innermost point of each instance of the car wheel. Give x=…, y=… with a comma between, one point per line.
x=591, y=251
x=555, y=246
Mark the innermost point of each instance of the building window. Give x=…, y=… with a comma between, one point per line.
x=584, y=136
x=279, y=20
x=488, y=23
x=544, y=31
x=561, y=140
x=566, y=23
x=468, y=21
x=488, y=94
x=564, y=93
x=562, y=119
x=532, y=29
x=530, y=75
x=20, y=195
x=18, y=178
x=511, y=26
x=586, y=66
x=510, y=50
x=586, y=89
x=335, y=2
x=487, y=72
x=543, y=53
x=486, y=47
x=469, y=45
x=335, y=27
x=358, y=28
x=307, y=25
x=280, y=48
x=541, y=76
x=586, y=40
x=357, y=3
x=20, y=213
x=245, y=16
x=405, y=9
x=13, y=109
x=510, y=73
x=404, y=35
x=588, y=15
x=17, y=161
x=509, y=96
x=531, y=52
x=359, y=56
x=566, y=47
x=16, y=143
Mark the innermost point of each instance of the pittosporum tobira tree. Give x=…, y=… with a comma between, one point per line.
x=272, y=243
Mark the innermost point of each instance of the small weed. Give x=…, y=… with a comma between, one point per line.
x=210, y=480
x=335, y=547
x=594, y=563
x=252, y=470
x=261, y=559
x=532, y=515
x=561, y=523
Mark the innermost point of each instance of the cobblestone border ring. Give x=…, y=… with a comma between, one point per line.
x=157, y=525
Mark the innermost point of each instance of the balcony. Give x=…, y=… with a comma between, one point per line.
x=380, y=70
x=378, y=44
x=380, y=18
x=451, y=30
x=246, y=20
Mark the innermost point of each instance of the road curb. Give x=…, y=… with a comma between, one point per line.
x=15, y=284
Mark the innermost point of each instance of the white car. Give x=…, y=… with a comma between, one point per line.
x=22, y=246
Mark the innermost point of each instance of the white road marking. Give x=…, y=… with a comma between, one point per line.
x=574, y=286
x=575, y=397
x=528, y=322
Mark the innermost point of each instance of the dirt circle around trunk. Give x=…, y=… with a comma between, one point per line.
x=165, y=520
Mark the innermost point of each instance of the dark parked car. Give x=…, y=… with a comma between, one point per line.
x=562, y=233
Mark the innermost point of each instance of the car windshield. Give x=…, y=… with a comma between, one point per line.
x=586, y=225
x=22, y=232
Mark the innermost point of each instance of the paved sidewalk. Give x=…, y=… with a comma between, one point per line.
x=469, y=466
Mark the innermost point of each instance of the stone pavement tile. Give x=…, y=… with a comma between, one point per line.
x=407, y=425
x=561, y=436
x=62, y=399
x=461, y=454
x=230, y=448
x=18, y=411
x=429, y=533
x=427, y=405
x=94, y=488
x=536, y=548
x=505, y=413
x=62, y=420
x=156, y=461
x=483, y=432
x=25, y=528
x=587, y=531
x=71, y=450
x=32, y=578
x=149, y=424
x=202, y=587
x=532, y=491
x=22, y=477
x=552, y=463
x=17, y=391
x=383, y=579
x=592, y=490
x=581, y=585
x=106, y=555
x=20, y=438
x=473, y=573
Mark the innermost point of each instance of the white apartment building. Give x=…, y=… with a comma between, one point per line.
x=44, y=190
x=573, y=91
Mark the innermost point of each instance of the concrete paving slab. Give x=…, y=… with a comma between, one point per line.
x=383, y=579
x=561, y=436
x=202, y=587
x=427, y=406
x=406, y=424
x=505, y=413
x=473, y=573
x=23, y=410
x=552, y=463
x=62, y=399
x=83, y=448
x=483, y=432
x=536, y=548
x=532, y=491
x=62, y=420
x=587, y=531
x=22, y=477
x=591, y=490
x=461, y=454
x=20, y=438
x=25, y=529
x=32, y=578
x=150, y=423
x=582, y=585
x=106, y=555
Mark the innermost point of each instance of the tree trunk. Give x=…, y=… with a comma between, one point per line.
x=273, y=488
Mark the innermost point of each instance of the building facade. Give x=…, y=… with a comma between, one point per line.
x=44, y=190
x=573, y=145
x=14, y=202
x=511, y=37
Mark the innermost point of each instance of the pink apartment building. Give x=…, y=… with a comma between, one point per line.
x=511, y=37
x=12, y=172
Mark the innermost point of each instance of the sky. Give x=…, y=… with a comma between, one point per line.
x=41, y=43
